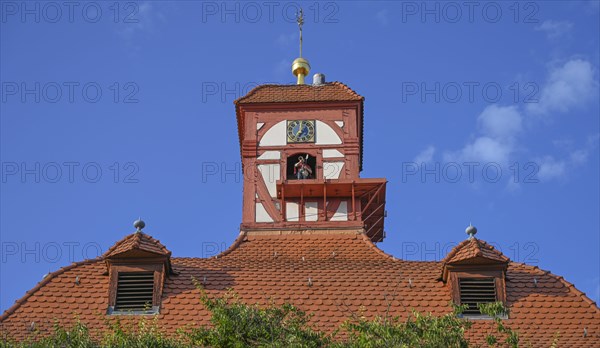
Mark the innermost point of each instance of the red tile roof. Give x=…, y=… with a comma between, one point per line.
x=330, y=275
x=474, y=250
x=332, y=91
x=138, y=241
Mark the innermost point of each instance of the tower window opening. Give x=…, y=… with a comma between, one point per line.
x=301, y=166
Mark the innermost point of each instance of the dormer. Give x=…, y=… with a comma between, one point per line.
x=137, y=267
x=476, y=273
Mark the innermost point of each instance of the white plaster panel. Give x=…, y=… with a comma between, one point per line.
x=269, y=155
x=292, y=211
x=311, y=211
x=332, y=170
x=261, y=214
x=328, y=153
x=259, y=125
x=342, y=212
x=340, y=123
x=325, y=135
x=270, y=174
x=275, y=136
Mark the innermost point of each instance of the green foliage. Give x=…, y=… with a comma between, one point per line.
x=144, y=334
x=235, y=324
x=140, y=335
x=77, y=336
x=497, y=311
x=420, y=330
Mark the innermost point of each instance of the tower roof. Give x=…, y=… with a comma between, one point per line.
x=332, y=91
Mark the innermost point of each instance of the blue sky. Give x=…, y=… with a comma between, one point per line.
x=486, y=114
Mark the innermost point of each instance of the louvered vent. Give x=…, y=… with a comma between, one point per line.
x=135, y=291
x=476, y=290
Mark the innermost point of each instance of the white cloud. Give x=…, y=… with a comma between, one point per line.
x=579, y=156
x=486, y=149
x=500, y=121
x=550, y=168
x=426, y=155
x=498, y=128
x=497, y=138
x=555, y=29
x=567, y=87
x=144, y=20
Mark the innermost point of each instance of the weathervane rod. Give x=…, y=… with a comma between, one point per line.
x=300, y=20
x=300, y=66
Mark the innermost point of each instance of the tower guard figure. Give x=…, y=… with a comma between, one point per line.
x=301, y=169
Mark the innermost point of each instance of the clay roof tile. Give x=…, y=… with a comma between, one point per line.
x=360, y=278
x=474, y=248
x=332, y=91
x=137, y=241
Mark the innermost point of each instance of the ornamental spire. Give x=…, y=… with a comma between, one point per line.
x=300, y=66
x=300, y=20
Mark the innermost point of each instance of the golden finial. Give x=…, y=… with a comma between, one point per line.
x=300, y=66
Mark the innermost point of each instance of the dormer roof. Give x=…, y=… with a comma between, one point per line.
x=137, y=244
x=474, y=250
x=470, y=252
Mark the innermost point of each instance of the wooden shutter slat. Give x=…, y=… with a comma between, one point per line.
x=135, y=291
x=474, y=291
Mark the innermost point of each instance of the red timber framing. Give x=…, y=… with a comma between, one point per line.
x=268, y=115
x=335, y=197
x=365, y=202
x=349, y=112
x=326, y=109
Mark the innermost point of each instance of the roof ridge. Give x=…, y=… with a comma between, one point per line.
x=392, y=257
x=255, y=89
x=347, y=88
x=360, y=237
x=483, y=244
x=43, y=282
x=137, y=238
x=342, y=85
x=454, y=250
x=480, y=245
x=372, y=245
x=236, y=243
